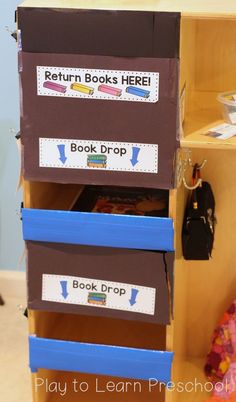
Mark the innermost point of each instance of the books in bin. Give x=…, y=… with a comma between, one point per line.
x=120, y=200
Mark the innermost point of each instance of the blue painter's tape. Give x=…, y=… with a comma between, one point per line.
x=138, y=92
x=95, y=229
x=89, y=358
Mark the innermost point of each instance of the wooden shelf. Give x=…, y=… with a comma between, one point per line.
x=189, y=8
x=191, y=370
x=197, y=139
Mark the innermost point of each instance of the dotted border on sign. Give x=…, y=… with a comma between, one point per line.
x=52, y=165
x=114, y=307
x=44, y=92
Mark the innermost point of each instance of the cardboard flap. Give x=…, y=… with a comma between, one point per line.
x=100, y=32
x=99, y=281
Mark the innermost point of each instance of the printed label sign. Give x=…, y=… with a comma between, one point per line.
x=100, y=155
x=98, y=293
x=222, y=131
x=133, y=86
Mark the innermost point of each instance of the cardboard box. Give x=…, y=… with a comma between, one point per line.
x=112, y=99
x=100, y=281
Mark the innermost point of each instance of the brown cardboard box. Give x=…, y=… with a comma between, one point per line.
x=137, y=49
x=100, y=281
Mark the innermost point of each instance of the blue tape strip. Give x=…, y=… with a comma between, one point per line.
x=124, y=231
x=99, y=359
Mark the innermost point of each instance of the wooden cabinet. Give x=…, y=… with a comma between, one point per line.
x=202, y=289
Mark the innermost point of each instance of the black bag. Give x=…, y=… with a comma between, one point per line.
x=199, y=222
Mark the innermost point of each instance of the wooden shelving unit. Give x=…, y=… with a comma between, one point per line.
x=203, y=289
x=199, y=139
x=207, y=68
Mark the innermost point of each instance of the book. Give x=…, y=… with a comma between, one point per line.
x=117, y=200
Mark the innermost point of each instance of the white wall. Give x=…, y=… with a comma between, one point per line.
x=11, y=243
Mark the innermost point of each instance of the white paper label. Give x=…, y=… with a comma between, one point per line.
x=98, y=293
x=222, y=132
x=98, y=155
x=133, y=86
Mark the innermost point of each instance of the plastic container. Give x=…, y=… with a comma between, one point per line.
x=228, y=102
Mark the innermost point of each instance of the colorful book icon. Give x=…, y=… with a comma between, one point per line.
x=110, y=90
x=97, y=161
x=82, y=88
x=96, y=165
x=138, y=92
x=97, y=157
x=97, y=298
x=54, y=86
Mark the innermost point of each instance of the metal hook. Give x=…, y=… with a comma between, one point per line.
x=12, y=33
x=198, y=184
x=201, y=166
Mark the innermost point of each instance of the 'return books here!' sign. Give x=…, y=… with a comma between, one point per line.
x=134, y=86
x=101, y=155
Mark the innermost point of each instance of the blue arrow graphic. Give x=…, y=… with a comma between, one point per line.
x=135, y=152
x=61, y=149
x=64, y=293
x=132, y=299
